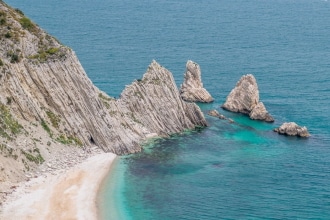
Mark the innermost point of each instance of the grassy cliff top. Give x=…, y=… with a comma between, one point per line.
x=21, y=38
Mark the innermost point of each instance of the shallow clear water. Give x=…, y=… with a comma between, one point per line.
x=225, y=171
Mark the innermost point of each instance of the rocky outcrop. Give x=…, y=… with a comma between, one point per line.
x=244, y=98
x=216, y=114
x=192, y=88
x=155, y=104
x=259, y=112
x=292, y=129
x=47, y=100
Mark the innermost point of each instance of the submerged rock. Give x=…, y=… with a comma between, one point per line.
x=192, y=88
x=292, y=129
x=244, y=98
x=216, y=114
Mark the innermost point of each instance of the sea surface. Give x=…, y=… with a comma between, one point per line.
x=224, y=171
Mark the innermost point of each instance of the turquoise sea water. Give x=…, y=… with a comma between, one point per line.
x=225, y=171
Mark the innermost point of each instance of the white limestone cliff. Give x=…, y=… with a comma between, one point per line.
x=47, y=100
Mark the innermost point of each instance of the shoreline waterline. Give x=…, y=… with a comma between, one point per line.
x=103, y=187
x=110, y=201
x=71, y=194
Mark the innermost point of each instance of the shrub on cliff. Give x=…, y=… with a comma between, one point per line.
x=27, y=24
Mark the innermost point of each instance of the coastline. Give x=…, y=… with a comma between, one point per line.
x=71, y=194
x=110, y=202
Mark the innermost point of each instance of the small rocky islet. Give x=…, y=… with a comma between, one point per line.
x=292, y=129
x=244, y=98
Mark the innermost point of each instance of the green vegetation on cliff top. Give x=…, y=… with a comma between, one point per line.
x=14, y=26
x=9, y=127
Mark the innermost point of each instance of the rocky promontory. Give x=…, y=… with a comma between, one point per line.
x=244, y=98
x=47, y=101
x=192, y=89
x=292, y=129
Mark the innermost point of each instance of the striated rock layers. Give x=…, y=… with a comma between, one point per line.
x=244, y=98
x=47, y=99
x=292, y=129
x=155, y=105
x=192, y=88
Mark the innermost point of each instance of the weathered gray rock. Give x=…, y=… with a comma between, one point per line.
x=259, y=112
x=192, y=89
x=292, y=129
x=244, y=98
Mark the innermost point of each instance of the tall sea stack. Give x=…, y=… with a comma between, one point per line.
x=192, y=89
x=244, y=98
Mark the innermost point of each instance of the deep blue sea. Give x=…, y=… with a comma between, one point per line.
x=225, y=171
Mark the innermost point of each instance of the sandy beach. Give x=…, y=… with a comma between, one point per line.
x=68, y=195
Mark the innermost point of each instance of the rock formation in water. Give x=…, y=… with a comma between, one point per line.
x=292, y=129
x=47, y=100
x=259, y=112
x=192, y=89
x=215, y=113
x=244, y=98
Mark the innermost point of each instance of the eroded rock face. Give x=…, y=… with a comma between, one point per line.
x=292, y=129
x=192, y=88
x=259, y=112
x=156, y=105
x=244, y=98
x=62, y=90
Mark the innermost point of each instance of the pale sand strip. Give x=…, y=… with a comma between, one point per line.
x=69, y=195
